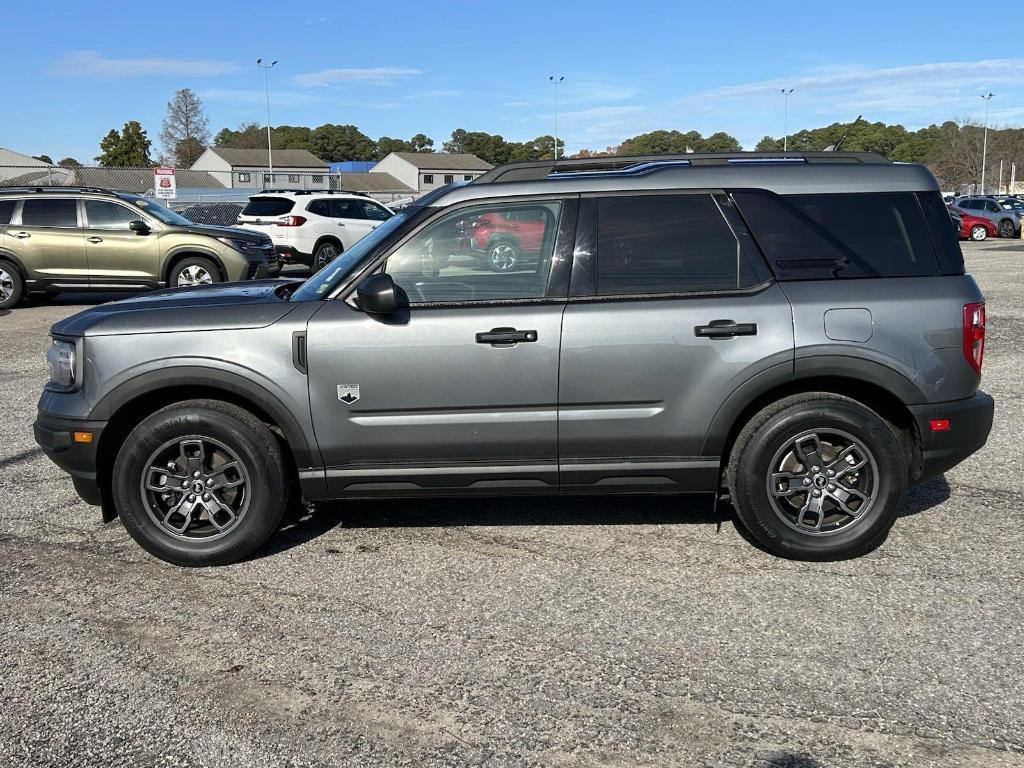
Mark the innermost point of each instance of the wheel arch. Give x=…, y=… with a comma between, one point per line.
x=874, y=385
x=175, y=257
x=12, y=259
x=124, y=407
x=328, y=239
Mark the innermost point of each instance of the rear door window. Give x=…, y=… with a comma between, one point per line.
x=319, y=207
x=6, y=211
x=665, y=244
x=268, y=206
x=810, y=237
x=347, y=209
x=50, y=212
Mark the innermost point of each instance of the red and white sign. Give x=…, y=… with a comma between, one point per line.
x=164, y=185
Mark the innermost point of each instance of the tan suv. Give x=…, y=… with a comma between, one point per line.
x=78, y=239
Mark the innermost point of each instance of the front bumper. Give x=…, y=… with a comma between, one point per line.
x=56, y=437
x=970, y=422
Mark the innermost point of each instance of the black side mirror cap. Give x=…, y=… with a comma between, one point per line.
x=377, y=295
x=139, y=227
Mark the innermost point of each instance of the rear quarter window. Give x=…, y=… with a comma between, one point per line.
x=813, y=237
x=6, y=211
x=268, y=206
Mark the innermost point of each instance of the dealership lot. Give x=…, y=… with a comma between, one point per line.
x=518, y=632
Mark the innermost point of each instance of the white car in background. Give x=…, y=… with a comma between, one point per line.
x=312, y=227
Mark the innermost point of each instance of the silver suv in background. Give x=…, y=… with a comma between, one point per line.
x=1005, y=216
x=707, y=324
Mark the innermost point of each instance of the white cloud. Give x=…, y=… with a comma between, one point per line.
x=95, y=64
x=370, y=75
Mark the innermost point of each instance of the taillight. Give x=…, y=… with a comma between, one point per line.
x=291, y=221
x=974, y=334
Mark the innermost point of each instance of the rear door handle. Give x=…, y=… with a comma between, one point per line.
x=505, y=336
x=19, y=235
x=724, y=329
x=95, y=239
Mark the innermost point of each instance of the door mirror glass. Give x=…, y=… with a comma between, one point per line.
x=139, y=227
x=377, y=295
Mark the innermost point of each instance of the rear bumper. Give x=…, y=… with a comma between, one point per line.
x=290, y=255
x=970, y=422
x=56, y=437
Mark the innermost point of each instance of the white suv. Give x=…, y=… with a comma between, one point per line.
x=312, y=227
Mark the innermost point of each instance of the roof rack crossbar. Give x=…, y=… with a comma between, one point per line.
x=21, y=188
x=594, y=166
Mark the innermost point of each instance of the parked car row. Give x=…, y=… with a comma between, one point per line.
x=984, y=216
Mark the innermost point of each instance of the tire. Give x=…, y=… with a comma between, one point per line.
x=324, y=253
x=979, y=232
x=767, y=475
x=503, y=255
x=224, y=443
x=194, y=270
x=1006, y=228
x=12, y=286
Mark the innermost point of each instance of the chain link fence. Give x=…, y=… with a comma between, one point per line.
x=201, y=196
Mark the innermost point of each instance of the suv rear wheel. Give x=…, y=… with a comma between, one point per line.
x=200, y=483
x=818, y=477
x=194, y=270
x=1006, y=228
x=324, y=254
x=12, y=287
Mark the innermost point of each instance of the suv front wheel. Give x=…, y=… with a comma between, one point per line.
x=818, y=477
x=200, y=483
x=194, y=270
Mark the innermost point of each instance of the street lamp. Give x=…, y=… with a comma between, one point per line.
x=266, y=84
x=556, y=81
x=785, y=136
x=984, y=143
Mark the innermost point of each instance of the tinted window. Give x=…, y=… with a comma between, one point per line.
x=944, y=238
x=853, y=235
x=49, y=213
x=375, y=212
x=991, y=207
x=268, y=206
x=664, y=244
x=970, y=205
x=6, y=211
x=103, y=215
x=347, y=209
x=319, y=207
x=484, y=253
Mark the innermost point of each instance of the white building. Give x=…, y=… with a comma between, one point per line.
x=14, y=164
x=248, y=168
x=424, y=171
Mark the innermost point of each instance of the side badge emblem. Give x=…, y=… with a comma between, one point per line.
x=348, y=393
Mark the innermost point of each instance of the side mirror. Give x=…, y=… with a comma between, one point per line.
x=377, y=295
x=139, y=227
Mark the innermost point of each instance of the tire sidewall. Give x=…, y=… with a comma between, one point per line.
x=266, y=486
x=751, y=494
x=318, y=263
x=19, y=285
x=197, y=261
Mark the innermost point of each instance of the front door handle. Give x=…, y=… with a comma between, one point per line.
x=724, y=329
x=19, y=235
x=95, y=239
x=505, y=336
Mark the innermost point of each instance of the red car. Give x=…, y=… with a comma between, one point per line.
x=502, y=239
x=974, y=227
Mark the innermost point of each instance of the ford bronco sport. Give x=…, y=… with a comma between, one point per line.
x=55, y=239
x=691, y=324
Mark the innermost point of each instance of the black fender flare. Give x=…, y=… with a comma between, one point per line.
x=187, y=250
x=152, y=381
x=786, y=376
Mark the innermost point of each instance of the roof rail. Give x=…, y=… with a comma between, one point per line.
x=35, y=188
x=309, y=192
x=638, y=164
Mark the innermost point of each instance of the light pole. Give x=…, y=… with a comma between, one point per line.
x=266, y=84
x=785, y=136
x=984, y=143
x=556, y=81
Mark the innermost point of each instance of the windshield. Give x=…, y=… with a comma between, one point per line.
x=153, y=208
x=324, y=281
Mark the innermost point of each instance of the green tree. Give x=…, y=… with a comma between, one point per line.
x=333, y=143
x=246, y=136
x=421, y=143
x=127, y=149
x=69, y=162
x=386, y=145
x=44, y=158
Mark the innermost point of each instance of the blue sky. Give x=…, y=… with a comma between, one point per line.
x=395, y=68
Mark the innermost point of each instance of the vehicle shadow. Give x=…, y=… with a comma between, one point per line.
x=534, y=510
x=923, y=497
x=789, y=760
x=4, y=312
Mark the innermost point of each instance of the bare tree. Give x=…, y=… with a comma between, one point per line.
x=186, y=129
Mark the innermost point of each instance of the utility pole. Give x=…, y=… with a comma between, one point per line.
x=984, y=143
x=785, y=130
x=999, y=189
x=266, y=84
x=556, y=81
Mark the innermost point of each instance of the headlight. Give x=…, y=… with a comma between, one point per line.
x=61, y=357
x=242, y=246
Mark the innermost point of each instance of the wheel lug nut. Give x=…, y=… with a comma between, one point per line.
x=195, y=474
x=807, y=481
x=815, y=469
x=831, y=473
x=206, y=497
x=170, y=465
x=830, y=487
x=184, y=483
x=816, y=492
x=191, y=497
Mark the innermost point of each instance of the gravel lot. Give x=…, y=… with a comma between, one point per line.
x=588, y=632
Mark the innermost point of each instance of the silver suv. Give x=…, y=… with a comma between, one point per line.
x=1004, y=215
x=712, y=324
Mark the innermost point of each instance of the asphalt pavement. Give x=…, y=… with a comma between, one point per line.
x=518, y=632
